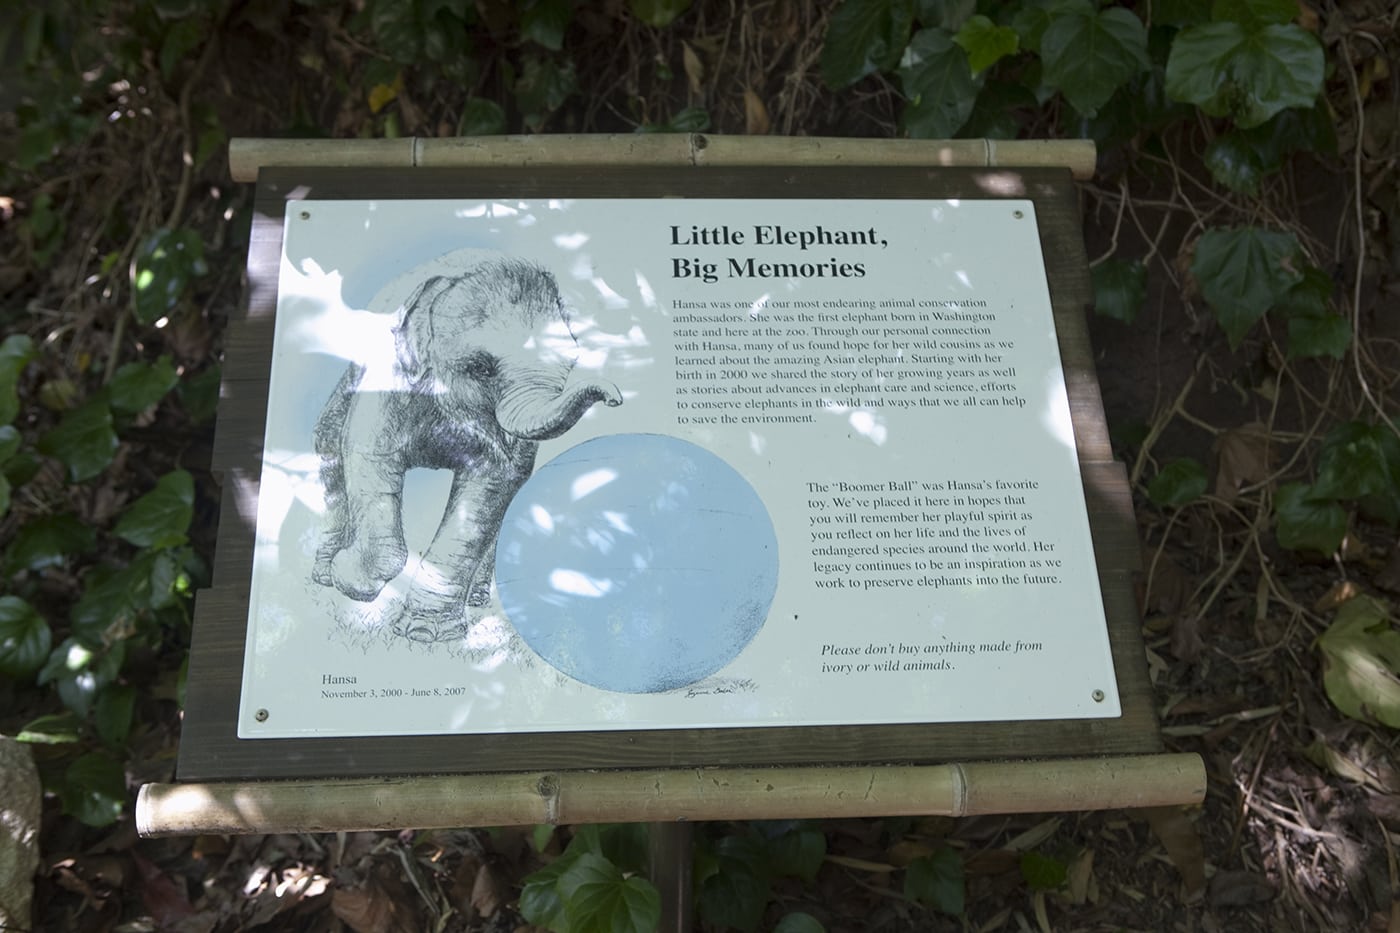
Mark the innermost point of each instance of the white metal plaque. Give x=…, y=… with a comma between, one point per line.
x=646, y=464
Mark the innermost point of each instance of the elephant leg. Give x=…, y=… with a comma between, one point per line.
x=480, y=592
x=449, y=579
x=329, y=434
x=369, y=549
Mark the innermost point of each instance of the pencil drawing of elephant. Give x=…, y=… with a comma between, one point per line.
x=478, y=377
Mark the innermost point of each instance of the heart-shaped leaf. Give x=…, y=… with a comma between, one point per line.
x=1120, y=288
x=1245, y=72
x=15, y=354
x=1178, y=483
x=1361, y=651
x=137, y=386
x=1307, y=521
x=937, y=880
x=1089, y=53
x=598, y=898
x=25, y=638
x=84, y=440
x=863, y=37
x=161, y=517
x=935, y=76
x=1243, y=273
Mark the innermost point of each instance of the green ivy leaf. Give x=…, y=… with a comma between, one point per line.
x=48, y=541
x=10, y=439
x=1362, y=462
x=4, y=495
x=863, y=37
x=84, y=440
x=540, y=903
x=1307, y=521
x=15, y=354
x=25, y=639
x=1120, y=288
x=658, y=13
x=199, y=394
x=944, y=14
x=798, y=853
x=995, y=114
x=737, y=893
x=1243, y=273
x=113, y=601
x=113, y=711
x=1180, y=12
x=1234, y=163
x=1178, y=483
x=686, y=120
x=482, y=117
x=1243, y=72
x=1042, y=872
x=1089, y=53
x=181, y=38
x=1361, y=662
x=54, y=729
x=135, y=387
x=94, y=789
x=542, y=88
x=799, y=923
x=161, y=517
x=938, y=82
x=546, y=21
x=623, y=844
x=1313, y=328
x=1307, y=129
x=395, y=29
x=1254, y=12
x=598, y=898
x=167, y=261
x=937, y=880
x=986, y=43
x=78, y=673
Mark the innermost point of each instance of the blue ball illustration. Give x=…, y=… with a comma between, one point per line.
x=637, y=563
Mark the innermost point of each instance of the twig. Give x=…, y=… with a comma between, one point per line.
x=1359, y=205
x=1160, y=425
x=182, y=192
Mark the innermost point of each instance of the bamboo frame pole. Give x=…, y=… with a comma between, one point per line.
x=247, y=156
x=569, y=797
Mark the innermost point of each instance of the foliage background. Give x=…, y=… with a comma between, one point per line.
x=1242, y=226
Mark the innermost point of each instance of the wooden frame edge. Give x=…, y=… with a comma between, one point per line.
x=567, y=797
x=248, y=155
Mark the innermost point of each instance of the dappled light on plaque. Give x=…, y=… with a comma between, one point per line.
x=554, y=465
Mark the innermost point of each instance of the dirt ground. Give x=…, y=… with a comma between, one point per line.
x=1297, y=831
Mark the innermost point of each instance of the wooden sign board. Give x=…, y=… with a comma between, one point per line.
x=657, y=467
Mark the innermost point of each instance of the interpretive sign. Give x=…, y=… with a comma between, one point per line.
x=553, y=465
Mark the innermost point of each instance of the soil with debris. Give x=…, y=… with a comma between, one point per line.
x=1297, y=831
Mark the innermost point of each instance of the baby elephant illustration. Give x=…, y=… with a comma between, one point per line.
x=478, y=378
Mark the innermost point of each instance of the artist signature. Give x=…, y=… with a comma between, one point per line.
x=728, y=686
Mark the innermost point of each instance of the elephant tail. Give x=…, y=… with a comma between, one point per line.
x=535, y=413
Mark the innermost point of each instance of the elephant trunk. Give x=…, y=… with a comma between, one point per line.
x=538, y=412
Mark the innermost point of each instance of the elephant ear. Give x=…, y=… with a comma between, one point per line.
x=413, y=334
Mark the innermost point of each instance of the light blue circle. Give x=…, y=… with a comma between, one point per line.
x=637, y=563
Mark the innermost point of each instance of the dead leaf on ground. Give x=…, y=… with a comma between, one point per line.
x=491, y=890
x=694, y=69
x=1186, y=641
x=1179, y=837
x=1171, y=587
x=756, y=122
x=1082, y=885
x=1242, y=459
